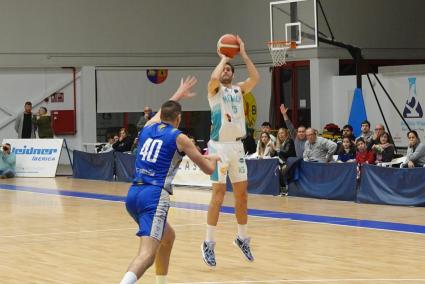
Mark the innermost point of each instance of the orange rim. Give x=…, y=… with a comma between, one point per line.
x=290, y=44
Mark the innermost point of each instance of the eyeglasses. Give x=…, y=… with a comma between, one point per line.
x=379, y=129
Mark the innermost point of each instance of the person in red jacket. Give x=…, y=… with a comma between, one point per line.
x=363, y=155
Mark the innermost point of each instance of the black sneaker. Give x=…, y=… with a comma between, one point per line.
x=244, y=246
x=207, y=249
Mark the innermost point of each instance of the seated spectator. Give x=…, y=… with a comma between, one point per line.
x=347, y=151
x=375, y=140
x=366, y=134
x=284, y=146
x=363, y=155
x=7, y=162
x=347, y=131
x=286, y=149
x=249, y=145
x=384, y=151
x=267, y=127
x=44, y=123
x=124, y=142
x=318, y=149
x=415, y=156
x=110, y=140
x=265, y=146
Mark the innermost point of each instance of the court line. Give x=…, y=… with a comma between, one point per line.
x=306, y=280
x=339, y=221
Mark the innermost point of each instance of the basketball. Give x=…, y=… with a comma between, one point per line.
x=228, y=45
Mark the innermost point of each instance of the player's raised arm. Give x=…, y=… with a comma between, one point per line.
x=184, y=91
x=214, y=83
x=253, y=75
x=205, y=163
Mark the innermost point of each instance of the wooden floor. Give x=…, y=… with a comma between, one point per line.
x=46, y=237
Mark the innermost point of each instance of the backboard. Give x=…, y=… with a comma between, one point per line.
x=294, y=20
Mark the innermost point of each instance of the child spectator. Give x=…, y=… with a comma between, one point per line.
x=363, y=155
x=347, y=151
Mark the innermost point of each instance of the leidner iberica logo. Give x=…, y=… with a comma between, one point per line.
x=39, y=154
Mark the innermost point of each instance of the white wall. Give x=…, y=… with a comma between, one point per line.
x=321, y=73
x=184, y=33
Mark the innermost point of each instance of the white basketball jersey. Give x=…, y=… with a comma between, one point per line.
x=227, y=114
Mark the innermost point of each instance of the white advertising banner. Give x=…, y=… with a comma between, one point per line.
x=408, y=94
x=190, y=174
x=36, y=157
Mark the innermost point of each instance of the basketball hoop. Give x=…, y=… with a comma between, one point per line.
x=278, y=50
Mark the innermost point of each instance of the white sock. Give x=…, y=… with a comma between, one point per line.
x=161, y=279
x=210, y=233
x=129, y=278
x=242, y=232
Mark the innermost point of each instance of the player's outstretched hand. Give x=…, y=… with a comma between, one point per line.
x=184, y=90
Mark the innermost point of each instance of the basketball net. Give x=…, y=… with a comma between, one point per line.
x=278, y=51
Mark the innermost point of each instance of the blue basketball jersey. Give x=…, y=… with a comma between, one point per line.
x=157, y=158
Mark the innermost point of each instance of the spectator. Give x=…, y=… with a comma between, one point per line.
x=286, y=150
x=265, y=146
x=366, y=133
x=415, y=156
x=347, y=131
x=249, y=145
x=384, y=151
x=284, y=145
x=347, y=151
x=44, y=123
x=298, y=136
x=7, y=162
x=110, y=140
x=318, y=149
x=148, y=114
x=124, y=142
x=267, y=127
x=363, y=155
x=25, y=123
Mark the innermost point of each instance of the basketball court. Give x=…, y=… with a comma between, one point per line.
x=66, y=230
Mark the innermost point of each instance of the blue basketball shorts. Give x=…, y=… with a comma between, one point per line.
x=148, y=205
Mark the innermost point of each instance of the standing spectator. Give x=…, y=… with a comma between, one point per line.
x=363, y=155
x=347, y=151
x=265, y=146
x=366, y=133
x=25, y=123
x=7, y=162
x=44, y=123
x=148, y=114
x=298, y=136
x=267, y=127
x=124, y=142
x=384, y=151
x=415, y=156
x=318, y=149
